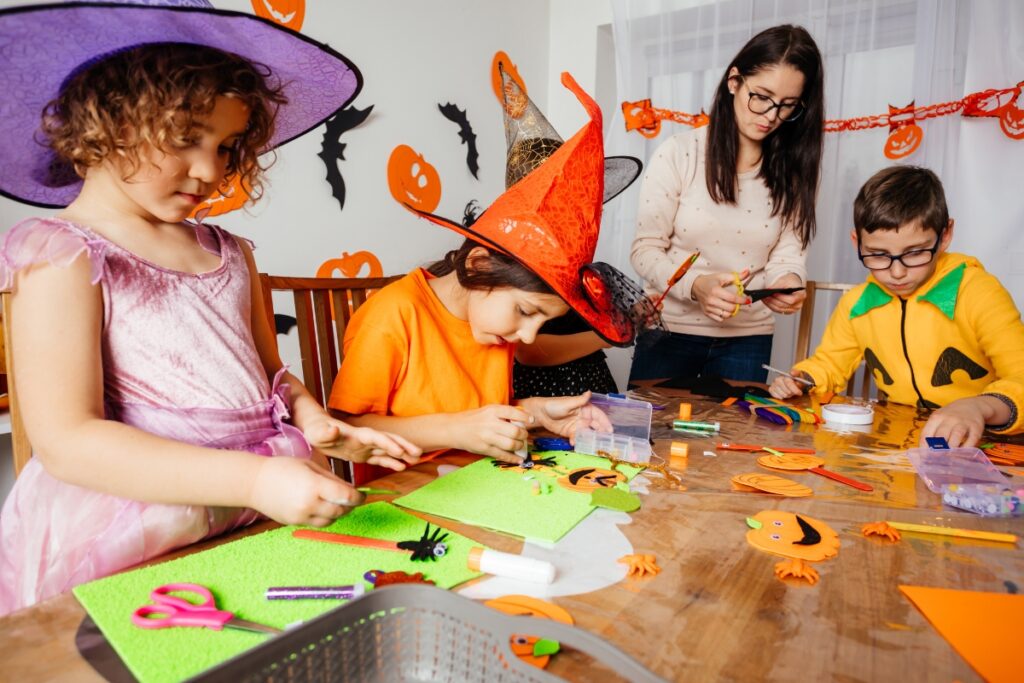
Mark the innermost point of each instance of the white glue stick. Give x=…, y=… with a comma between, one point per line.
x=512, y=566
x=521, y=452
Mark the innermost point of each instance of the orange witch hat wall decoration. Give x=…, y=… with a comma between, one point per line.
x=549, y=219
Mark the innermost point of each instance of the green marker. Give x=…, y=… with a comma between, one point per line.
x=696, y=426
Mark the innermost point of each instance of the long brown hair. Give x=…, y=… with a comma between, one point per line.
x=791, y=155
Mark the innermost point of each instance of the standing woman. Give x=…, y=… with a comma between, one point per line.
x=741, y=191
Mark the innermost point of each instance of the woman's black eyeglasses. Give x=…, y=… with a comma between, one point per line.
x=762, y=104
x=909, y=259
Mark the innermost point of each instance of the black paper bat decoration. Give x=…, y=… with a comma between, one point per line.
x=332, y=150
x=456, y=115
x=283, y=324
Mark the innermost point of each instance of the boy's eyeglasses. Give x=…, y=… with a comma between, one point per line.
x=909, y=259
x=762, y=104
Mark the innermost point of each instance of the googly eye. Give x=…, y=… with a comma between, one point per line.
x=520, y=640
x=776, y=537
x=777, y=522
x=440, y=549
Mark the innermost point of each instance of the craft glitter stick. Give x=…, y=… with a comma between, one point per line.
x=677, y=276
x=952, y=531
x=315, y=592
x=696, y=426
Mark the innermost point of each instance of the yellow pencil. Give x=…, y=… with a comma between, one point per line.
x=950, y=531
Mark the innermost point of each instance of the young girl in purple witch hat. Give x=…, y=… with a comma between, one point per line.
x=152, y=392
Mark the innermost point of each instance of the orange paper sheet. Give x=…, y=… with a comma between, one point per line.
x=984, y=628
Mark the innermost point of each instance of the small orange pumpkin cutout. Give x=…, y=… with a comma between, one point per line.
x=524, y=605
x=790, y=461
x=1011, y=115
x=799, y=538
x=903, y=141
x=233, y=194
x=516, y=103
x=587, y=479
x=769, y=483
x=412, y=180
x=287, y=13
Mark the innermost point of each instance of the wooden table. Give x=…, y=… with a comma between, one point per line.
x=716, y=612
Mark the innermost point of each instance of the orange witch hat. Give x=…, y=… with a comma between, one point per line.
x=549, y=221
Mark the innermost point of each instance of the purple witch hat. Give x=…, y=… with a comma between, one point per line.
x=41, y=45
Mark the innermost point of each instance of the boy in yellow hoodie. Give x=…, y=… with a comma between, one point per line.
x=936, y=329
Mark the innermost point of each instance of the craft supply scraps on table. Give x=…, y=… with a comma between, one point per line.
x=167, y=611
x=523, y=605
x=640, y=566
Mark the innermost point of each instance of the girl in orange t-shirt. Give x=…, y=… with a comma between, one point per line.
x=430, y=357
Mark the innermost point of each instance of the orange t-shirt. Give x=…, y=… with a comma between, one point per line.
x=407, y=355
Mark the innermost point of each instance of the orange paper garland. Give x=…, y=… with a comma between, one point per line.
x=905, y=135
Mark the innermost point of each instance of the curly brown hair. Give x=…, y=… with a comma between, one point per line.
x=152, y=94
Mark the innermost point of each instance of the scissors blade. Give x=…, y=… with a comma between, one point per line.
x=245, y=625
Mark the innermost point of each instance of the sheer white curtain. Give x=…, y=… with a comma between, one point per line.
x=877, y=52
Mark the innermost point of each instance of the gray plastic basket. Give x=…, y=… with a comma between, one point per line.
x=414, y=633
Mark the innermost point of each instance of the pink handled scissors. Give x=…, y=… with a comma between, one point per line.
x=168, y=610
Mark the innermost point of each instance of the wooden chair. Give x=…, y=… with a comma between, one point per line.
x=803, y=334
x=321, y=335
x=21, y=449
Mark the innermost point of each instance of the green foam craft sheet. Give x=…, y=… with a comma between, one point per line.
x=494, y=496
x=238, y=574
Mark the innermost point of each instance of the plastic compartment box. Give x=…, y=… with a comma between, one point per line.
x=630, y=438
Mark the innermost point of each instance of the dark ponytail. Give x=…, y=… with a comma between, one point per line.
x=791, y=155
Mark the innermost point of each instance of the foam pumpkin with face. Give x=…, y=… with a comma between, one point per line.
x=412, y=180
x=1011, y=114
x=798, y=538
x=904, y=134
x=287, y=13
x=350, y=265
x=516, y=103
x=589, y=479
x=526, y=647
x=233, y=194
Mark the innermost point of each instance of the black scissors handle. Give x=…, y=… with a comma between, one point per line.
x=758, y=294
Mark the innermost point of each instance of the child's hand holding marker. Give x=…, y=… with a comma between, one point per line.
x=720, y=295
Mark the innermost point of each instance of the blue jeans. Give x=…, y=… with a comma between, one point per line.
x=671, y=354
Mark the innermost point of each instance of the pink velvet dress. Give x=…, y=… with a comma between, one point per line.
x=179, y=361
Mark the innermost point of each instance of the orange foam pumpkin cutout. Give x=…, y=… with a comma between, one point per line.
x=517, y=101
x=413, y=182
x=232, y=195
x=769, y=483
x=905, y=135
x=526, y=606
x=790, y=461
x=588, y=479
x=287, y=13
x=798, y=538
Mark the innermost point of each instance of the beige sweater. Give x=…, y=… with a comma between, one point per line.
x=677, y=217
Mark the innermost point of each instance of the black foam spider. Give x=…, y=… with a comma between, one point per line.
x=429, y=546
x=527, y=463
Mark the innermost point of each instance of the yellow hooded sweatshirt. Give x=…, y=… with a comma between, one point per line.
x=958, y=335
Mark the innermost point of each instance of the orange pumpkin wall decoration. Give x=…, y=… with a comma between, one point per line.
x=516, y=103
x=288, y=13
x=1006, y=104
x=412, y=180
x=350, y=265
x=232, y=195
x=905, y=136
